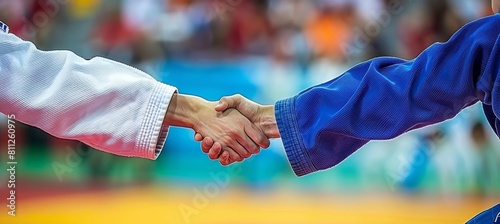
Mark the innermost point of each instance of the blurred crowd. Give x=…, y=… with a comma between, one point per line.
x=316, y=33
x=317, y=39
x=302, y=42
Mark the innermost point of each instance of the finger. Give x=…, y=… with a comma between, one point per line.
x=257, y=136
x=249, y=144
x=222, y=105
x=207, y=144
x=233, y=155
x=238, y=148
x=215, y=151
x=228, y=102
x=224, y=159
x=198, y=137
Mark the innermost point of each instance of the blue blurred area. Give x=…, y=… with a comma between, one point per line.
x=211, y=79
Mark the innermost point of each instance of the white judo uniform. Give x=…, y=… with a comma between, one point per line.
x=107, y=105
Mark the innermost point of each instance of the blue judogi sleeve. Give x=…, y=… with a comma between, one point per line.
x=386, y=97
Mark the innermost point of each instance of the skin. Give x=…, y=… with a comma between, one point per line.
x=262, y=117
x=495, y=5
x=232, y=131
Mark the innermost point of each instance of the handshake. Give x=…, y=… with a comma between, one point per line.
x=231, y=130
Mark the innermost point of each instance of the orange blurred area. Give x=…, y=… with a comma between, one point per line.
x=160, y=204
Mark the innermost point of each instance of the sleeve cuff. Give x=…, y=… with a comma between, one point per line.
x=3, y=27
x=291, y=137
x=153, y=134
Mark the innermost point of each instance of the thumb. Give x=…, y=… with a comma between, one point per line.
x=222, y=105
x=226, y=102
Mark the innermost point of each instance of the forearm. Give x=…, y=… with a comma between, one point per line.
x=105, y=104
x=385, y=97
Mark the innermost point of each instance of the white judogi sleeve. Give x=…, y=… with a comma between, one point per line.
x=107, y=105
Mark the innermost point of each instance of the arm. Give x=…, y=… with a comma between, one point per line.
x=386, y=97
x=107, y=105
x=235, y=133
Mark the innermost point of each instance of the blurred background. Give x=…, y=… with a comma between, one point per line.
x=266, y=50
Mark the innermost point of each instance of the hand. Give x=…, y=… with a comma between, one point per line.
x=262, y=116
x=230, y=129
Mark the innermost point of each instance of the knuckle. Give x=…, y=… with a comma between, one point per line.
x=227, y=130
x=205, y=147
x=237, y=97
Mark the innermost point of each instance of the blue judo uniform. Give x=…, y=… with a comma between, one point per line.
x=386, y=97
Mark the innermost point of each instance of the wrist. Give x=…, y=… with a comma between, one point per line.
x=183, y=110
x=268, y=122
